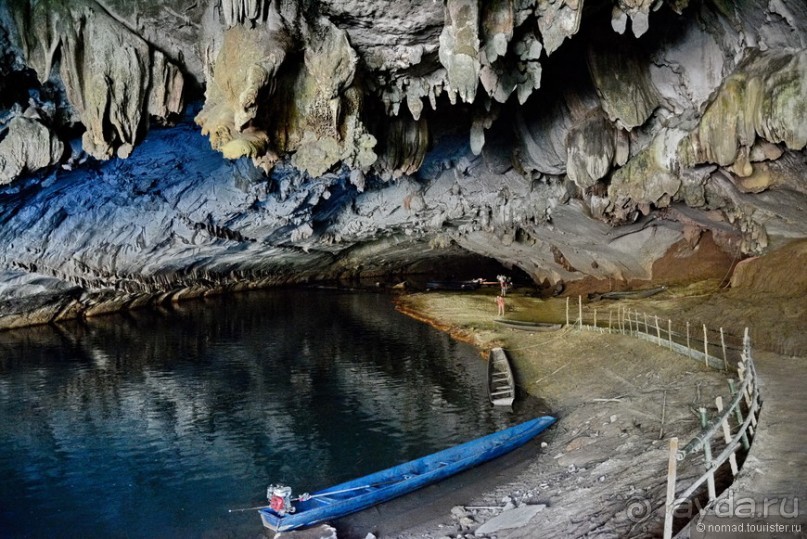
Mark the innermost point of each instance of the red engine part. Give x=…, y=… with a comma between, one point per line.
x=278, y=504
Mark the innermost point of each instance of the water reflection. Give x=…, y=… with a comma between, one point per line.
x=154, y=424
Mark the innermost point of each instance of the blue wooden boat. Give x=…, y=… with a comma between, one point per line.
x=287, y=513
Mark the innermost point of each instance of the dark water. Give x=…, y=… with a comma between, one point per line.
x=154, y=424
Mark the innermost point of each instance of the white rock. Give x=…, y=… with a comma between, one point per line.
x=459, y=511
x=514, y=518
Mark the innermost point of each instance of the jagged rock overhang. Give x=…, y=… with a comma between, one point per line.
x=609, y=172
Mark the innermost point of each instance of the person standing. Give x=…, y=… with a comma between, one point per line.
x=504, y=281
x=500, y=304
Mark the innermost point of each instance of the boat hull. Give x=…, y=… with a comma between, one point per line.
x=501, y=383
x=453, y=285
x=370, y=490
x=528, y=326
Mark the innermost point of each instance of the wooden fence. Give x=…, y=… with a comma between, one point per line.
x=743, y=411
x=732, y=428
x=695, y=340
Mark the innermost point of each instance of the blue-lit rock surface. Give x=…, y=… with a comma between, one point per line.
x=612, y=145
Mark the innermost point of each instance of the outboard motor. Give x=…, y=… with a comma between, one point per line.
x=279, y=497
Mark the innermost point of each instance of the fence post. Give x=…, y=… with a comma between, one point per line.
x=669, y=331
x=689, y=350
x=746, y=357
x=658, y=330
x=645, y=325
x=595, y=318
x=727, y=436
x=705, y=346
x=707, y=452
x=567, y=310
x=669, y=508
x=580, y=309
x=741, y=373
x=723, y=344
x=738, y=415
x=610, y=316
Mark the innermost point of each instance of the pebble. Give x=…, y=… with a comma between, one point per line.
x=458, y=511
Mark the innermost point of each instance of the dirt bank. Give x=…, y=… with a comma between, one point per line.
x=603, y=471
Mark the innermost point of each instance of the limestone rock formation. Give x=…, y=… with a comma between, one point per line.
x=404, y=147
x=350, y=137
x=763, y=100
x=459, y=47
x=111, y=76
x=558, y=20
x=264, y=101
x=28, y=146
x=623, y=82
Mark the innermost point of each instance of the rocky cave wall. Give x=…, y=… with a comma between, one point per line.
x=569, y=139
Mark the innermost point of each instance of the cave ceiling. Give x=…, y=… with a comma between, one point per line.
x=148, y=141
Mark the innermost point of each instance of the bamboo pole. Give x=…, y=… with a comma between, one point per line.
x=718, y=461
x=705, y=346
x=689, y=350
x=741, y=372
x=580, y=309
x=669, y=331
x=741, y=376
x=738, y=415
x=707, y=452
x=727, y=436
x=669, y=508
x=567, y=310
x=723, y=344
